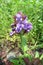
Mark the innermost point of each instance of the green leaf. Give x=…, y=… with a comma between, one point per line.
x=41, y=57
x=37, y=54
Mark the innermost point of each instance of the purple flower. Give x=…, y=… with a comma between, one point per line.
x=18, y=28
x=18, y=17
x=25, y=21
x=20, y=24
x=27, y=26
x=13, y=29
x=11, y=33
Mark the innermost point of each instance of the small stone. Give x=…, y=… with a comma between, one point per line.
x=10, y=56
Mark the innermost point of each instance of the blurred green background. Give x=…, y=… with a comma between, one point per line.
x=34, y=11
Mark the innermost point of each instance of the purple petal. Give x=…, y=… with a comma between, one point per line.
x=18, y=28
x=25, y=21
x=13, y=29
x=11, y=33
x=27, y=26
x=19, y=19
x=18, y=15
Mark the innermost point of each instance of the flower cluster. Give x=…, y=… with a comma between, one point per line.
x=20, y=24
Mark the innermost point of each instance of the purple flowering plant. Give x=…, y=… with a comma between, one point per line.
x=20, y=26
